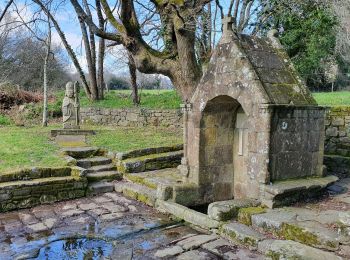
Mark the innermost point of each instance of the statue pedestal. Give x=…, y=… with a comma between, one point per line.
x=71, y=137
x=57, y=132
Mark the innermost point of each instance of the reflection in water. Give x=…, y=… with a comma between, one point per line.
x=77, y=249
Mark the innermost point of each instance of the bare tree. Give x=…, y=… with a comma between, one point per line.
x=3, y=13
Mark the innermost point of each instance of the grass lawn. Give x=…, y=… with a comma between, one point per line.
x=341, y=98
x=125, y=139
x=22, y=147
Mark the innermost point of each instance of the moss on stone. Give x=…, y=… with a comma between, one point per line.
x=245, y=214
x=296, y=233
x=141, y=180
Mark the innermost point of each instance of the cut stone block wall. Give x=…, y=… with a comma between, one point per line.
x=132, y=117
x=337, y=141
x=297, y=137
x=31, y=187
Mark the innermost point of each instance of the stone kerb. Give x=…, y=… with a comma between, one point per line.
x=132, y=117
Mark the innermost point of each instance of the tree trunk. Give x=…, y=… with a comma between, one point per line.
x=133, y=78
x=100, y=70
x=46, y=62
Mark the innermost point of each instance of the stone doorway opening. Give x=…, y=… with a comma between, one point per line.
x=223, y=148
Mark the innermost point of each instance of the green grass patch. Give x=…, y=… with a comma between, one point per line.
x=5, y=120
x=125, y=139
x=153, y=99
x=341, y=98
x=27, y=147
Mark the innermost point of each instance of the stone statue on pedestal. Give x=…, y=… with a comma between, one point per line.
x=70, y=106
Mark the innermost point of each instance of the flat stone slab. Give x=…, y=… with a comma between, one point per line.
x=226, y=210
x=286, y=249
x=80, y=152
x=137, y=192
x=153, y=179
x=228, y=250
x=242, y=234
x=283, y=193
x=168, y=252
x=194, y=242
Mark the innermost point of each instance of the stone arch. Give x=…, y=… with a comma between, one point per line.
x=219, y=142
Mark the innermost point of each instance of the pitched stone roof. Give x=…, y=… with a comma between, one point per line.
x=281, y=81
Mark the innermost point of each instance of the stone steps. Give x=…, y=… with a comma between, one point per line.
x=150, y=162
x=101, y=168
x=93, y=161
x=105, y=175
x=81, y=152
x=137, y=192
x=96, y=188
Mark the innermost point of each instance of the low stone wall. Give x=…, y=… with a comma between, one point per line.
x=132, y=117
x=337, y=143
x=31, y=187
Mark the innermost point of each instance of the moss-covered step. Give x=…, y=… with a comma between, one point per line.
x=34, y=173
x=286, y=249
x=148, y=151
x=227, y=210
x=93, y=161
x=101, y=168
x=137, y=192
x=105, y=175
x=284, y=193
x=152, y=179
x=81, y=152
x=150, y=162
x=29, y=193
x=242, y=234
x=303, y=225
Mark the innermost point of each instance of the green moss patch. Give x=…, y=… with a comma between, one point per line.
x=245, y=214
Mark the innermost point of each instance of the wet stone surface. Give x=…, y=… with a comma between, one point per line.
x=109, y=226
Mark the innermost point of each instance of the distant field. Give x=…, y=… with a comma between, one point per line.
x=341, y=98
x=169, y=99
x=163, y=99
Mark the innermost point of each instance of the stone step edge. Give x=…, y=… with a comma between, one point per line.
x=137, y=192
x=93, y=161
x=38, y=182
x=101, y=168
x=187, y=214
x=110, y=175
x=141, y=164
x=152, y=157
x=147, y=151
x=139, y=180
x=99, y=187
x=285, y=193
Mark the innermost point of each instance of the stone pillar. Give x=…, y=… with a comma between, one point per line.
x=184, y=169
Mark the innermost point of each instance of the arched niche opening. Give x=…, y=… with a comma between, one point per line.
x=223, y=148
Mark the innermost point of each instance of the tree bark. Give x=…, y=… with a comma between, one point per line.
x=133, y=79
x=46, y=62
